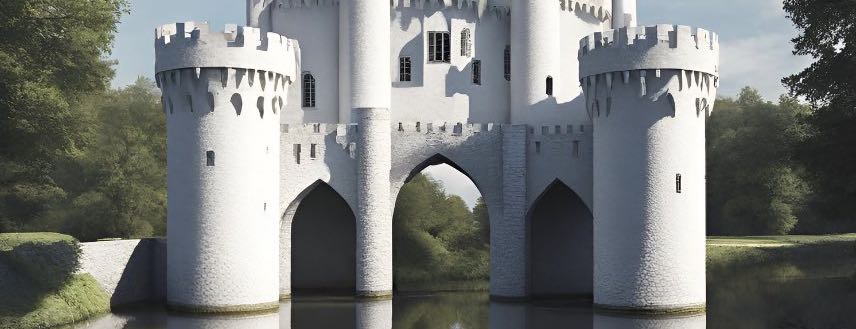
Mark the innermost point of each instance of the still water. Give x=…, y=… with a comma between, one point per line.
x=771, y=296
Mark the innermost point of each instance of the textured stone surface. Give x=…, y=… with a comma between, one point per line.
x=223, y=168
x=649, y=128
x=128, y=270
x=374, y=211
x=618, y=146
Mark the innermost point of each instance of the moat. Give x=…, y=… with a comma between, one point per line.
x=783, y=295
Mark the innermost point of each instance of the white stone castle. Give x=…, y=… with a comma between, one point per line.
x=583, y=132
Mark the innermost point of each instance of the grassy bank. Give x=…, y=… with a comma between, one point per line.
x=38, y=284
x=736, y=251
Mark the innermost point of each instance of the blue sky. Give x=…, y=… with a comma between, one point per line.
x=754, y=37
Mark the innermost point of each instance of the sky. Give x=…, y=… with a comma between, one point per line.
x=754, y=39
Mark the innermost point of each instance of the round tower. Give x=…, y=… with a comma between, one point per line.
x=370, y=87
x=534, y=55
x=259, y=14
x=624, y=13
x=222, y=94
x=649, y=91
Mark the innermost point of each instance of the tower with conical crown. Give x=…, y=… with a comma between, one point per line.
x=648, y=91
x=222, y=95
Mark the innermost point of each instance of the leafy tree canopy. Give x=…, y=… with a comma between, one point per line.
x=51, y=55
x=754, y=185
x=828, y=35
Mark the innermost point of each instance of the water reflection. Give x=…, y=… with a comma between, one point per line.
x=260, y=321
x=770, y=296
x=619, y=322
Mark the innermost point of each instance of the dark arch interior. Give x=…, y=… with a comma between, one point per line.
x=323, y=246
x=561, y=245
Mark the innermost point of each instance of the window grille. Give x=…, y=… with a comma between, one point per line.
x=405, y=69
x=477, y=72
x=507, y=63
x=438, y=47
x=466, y=43
x=308, y=90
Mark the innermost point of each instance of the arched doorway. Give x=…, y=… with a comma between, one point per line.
x=323, y=243
x=441, y=230
x=560, y=244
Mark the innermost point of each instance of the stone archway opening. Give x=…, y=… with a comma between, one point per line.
x=561, y=259
x=323, y=244
x=441, y=230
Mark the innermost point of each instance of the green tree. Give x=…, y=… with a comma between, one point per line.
x=828, y=35
x=50, y=58
x=436, y=237
x=482, y=217
x=754, y=185
x=117, y=185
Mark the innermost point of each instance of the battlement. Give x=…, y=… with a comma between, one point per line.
x=650, y=48
x=594, y=8
x=193, y=45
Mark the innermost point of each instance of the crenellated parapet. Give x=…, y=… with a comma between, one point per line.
x=596, y=8
x=650, y=47
x=654, y=62
x=194, y=45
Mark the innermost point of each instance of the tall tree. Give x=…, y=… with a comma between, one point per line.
x=117, y=184
x=828, y=35
x=51, y=55
x=754, y=185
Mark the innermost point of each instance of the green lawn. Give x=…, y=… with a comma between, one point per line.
x=725, y=253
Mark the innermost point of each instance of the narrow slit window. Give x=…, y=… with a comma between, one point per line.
x=439, y=47
x=549, y=86
x=209, y=158
x=297, y=153
x=405, y=69
x=678, y=186
x=308, y=90
x=507, y=63
x=312, y=150
x=466, y=43
x=477, y=72
x=576, y=149
x=538, y=147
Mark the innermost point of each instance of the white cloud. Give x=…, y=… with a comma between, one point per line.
x=455, y=183
x=760, y=61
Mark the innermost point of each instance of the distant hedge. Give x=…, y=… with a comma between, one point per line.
x=47, y=259
x=38, y=284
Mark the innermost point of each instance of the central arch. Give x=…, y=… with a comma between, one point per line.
x=560, y=244
x=457, y=236
x=323, y=242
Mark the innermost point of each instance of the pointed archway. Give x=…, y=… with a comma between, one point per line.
x=561, y=260
x=440, y=239
x=323, y=242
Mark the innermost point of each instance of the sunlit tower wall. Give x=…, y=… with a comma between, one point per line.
x=534, y=54
x=222, y=96
x=259, y=14
x=370, y=86
x=649, y=91
x=624, y=13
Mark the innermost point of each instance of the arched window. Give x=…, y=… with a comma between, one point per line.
x=549, y=86
x=507, y=63
x=466, y=43
x=308, y=90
